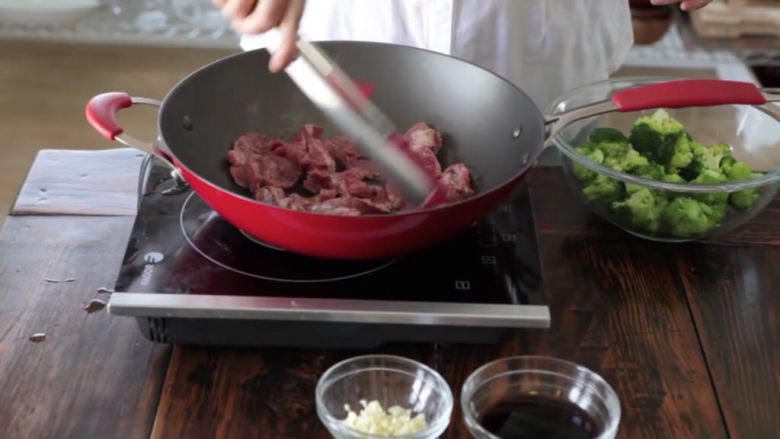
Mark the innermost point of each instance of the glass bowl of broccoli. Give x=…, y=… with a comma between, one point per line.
x=670, y=174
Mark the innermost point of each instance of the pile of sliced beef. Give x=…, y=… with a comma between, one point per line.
x=330, y=175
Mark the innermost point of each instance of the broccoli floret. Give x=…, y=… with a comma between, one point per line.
x=713, y=154
x=604, y=188
x=659, y=148
x=583, y=173
x=726, y=163
x=686, y=216
x=657, y=137
x=737, y=171
x=649, y=171
x=705, y=157
x=682, y=153
x=673, y=178
x=718, y=213
x=693, y=169
x=744, y=199
x=651, y=143
x=633, y=160
x=632, y=188
x=661, y=122
x=607, y=135
x=612, y=149
x=642, y=209
x=586, y=148
x=630, y=160
x=709, y=176
x=596, y=155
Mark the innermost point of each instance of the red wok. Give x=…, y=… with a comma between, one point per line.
x=488, y=123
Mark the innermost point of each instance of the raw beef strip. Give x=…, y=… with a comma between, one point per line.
x=370, y=198
x=266, y=170
x=424, y=142
x=421, y=136
x=240, y=174
x=369, y=169
x=255, y=143
x=296, y=151
x=328, y=194
x=336, y=206
x=319, y=157
x=298, y=202
x=341, y=180
x=385, y=201
x=308, y=150
x=427, y=159
x=317, y=180
x=270, y=195
x=360, y=189
x=253, y=164
x=310, y=130
x=244, y=148
x=457, y=182
x=342, y=149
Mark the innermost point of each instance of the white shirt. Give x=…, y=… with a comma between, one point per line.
x=545, y=47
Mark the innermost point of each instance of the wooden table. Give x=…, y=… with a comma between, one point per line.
x=688, y=335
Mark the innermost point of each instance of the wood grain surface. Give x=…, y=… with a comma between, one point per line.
x=617, y=306
x=686, y=334
x=250, y=393
x=734, y=297
x=93, y=376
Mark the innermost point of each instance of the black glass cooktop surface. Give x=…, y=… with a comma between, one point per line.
x=189, y=276
x=180, y=245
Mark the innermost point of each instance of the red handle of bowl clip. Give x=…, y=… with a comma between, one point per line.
x=688, y=93
x=101, y=112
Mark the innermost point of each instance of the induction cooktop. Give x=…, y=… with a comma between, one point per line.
x=190, y=277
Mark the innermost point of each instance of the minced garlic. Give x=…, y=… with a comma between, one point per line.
x=374, y=420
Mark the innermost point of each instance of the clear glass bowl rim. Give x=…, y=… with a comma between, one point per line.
x=570, y=150
x=440, y=423
x=466, y=394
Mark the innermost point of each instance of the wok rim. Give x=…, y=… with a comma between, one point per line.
x=533, y=157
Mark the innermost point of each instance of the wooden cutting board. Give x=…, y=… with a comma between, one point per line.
x=78, y=182
x=733, y=19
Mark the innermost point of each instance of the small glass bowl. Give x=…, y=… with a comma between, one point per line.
x=391, y=381
x=753, y=133
x=553, y=379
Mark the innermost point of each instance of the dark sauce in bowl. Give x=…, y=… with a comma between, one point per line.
x=539, y=418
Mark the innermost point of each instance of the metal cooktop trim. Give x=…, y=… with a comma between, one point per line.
x=328, y=310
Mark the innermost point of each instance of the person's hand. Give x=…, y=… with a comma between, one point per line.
x=685, y=5
x=258, y=16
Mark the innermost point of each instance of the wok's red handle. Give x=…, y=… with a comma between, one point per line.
x=101, y=112
x=688, y=93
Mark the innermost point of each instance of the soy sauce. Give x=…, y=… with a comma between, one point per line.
x=539, y=418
